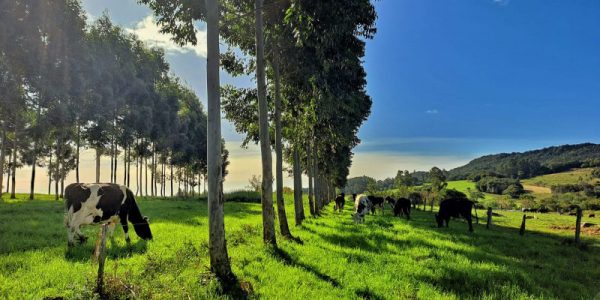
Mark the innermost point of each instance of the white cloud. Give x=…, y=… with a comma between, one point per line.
x=432, y=111
x=148, y=31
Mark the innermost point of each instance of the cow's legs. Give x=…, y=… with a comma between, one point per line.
x=470, y=220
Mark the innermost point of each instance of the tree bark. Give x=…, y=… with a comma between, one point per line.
x=2, y=155
x=32, y=184
x=219, y=259
x=98, y=165
x=309, y=171
x=283, y=223
x=50, y=175
x=268, y=213
x=57, y=169
x=14, y=168
x=146, y=176
x=152, y=181
x=171, y=180
x=298, y=206
x=78, y=142
x=316, y=175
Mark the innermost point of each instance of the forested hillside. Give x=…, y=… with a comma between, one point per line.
x=531, y=163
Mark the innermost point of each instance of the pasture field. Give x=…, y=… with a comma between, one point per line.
x=571, y=177
x=384, y=258
x=465, y=185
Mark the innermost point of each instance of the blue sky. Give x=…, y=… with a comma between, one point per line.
x=450, y=80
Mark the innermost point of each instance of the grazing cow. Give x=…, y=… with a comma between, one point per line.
x=592, y=215
x=455, y=207
x=88, y=203
x=543, y=210
x=400, y=207
x=362, y=205
x=339, y=202
x=376, y=202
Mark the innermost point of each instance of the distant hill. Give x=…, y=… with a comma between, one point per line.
x=531, y=163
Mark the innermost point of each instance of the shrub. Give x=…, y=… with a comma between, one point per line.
x=243, y=196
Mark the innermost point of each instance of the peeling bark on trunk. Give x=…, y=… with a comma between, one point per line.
x=98, y=154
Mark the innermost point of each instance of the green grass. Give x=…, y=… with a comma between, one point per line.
x=465, y=185
x=571, y=177
x=384, y=258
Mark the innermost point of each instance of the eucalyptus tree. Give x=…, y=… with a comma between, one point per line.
x=181, y=26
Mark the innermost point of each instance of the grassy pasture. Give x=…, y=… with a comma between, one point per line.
x=385, y=258
x=571, y=177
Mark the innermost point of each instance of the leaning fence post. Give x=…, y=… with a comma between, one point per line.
x=578, y=226
x=101, y=254
x=489, y=218
x=522, y=230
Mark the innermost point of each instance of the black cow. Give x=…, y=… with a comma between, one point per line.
x=339, y=202
x=400, y=207
x=89, y=203
x=376, y=201
x=455, y=207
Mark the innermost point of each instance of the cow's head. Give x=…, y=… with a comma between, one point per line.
x=142, y=229
x=439, y=220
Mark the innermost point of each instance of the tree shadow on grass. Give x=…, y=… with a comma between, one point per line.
x=287, y=259
x=85, y=252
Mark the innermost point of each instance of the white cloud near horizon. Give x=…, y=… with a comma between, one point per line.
x=432, y=111
x=148, y=31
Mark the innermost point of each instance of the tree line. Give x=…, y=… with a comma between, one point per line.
x=66, y=86
x=309, y=101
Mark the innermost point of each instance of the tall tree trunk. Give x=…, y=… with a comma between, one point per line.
x=268, y=213
x=316, y=177
x=164, y=180
x=2, y=155
x=283, y=223
x=152, y=181
x=98, y=154
x=116, y=163
x=50, y=175
x=32, y=184
x=309, y=171
x=171, y=180
x=14, y=168
x=78, y=145
x=8, y=174
x=146, y=176
x=298, y=207
x=57, y=168
x=219, y=259
x=128, y=165
x=112, y=161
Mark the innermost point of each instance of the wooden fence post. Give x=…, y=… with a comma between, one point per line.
x=101, y=254
x=522, y=230
x=489, y=218
x=578, y=226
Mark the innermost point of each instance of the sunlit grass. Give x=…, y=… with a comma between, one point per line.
x=387, y=257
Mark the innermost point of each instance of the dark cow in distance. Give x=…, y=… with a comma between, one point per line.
x=339, y=202
x=376, y=201
x=455, y=207
x=401, y=207
x=92, y=203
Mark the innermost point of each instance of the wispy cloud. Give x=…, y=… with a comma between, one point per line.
x=432, y=111
x=501, y=2
x=148, y=31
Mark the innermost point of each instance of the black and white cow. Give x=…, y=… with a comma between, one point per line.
x=339, y=202
x=455, y=207
x=362, y=205
x=89, y=203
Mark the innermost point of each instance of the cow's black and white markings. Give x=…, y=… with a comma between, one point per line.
x=362, y=205
x=89, y=203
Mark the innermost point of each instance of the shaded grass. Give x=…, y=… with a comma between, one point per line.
x=384, y=258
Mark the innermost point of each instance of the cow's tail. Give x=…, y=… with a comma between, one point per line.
x=134, y=215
